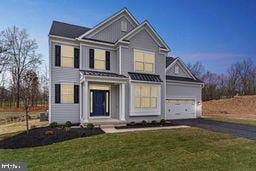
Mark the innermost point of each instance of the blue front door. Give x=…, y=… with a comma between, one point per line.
x=100, y=103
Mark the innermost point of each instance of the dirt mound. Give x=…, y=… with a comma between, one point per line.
x=240, y=106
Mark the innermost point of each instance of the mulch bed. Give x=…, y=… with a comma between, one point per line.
x=148, y=125
x=37, y=137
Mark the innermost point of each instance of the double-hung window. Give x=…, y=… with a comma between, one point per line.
x=100, y=60
x=67, y=93
x=146, y=96
x=144, y=61
x=67, y=56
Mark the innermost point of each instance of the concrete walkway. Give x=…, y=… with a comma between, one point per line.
x=241, y=130
x=114, y=130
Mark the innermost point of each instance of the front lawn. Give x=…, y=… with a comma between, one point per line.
x=178, y=149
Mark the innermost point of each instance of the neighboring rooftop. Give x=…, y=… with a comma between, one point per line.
x=169, y=60
x=169, y=77
x=145, y=77
x=67, y=30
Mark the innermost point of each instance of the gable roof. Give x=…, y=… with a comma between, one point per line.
x=169, y=60
x=145, y=77
x=67, y=30
x=124, y=10
x=145, y=25
x=183, y=65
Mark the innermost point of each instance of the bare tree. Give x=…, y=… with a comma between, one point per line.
x=29, y=81
x=21, y=54
x=197, y=69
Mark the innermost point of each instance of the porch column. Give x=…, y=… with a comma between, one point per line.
x=81, y=101
x=85, y=102
x=122, y=102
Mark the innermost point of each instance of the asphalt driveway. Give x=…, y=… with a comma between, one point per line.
x=241, y=130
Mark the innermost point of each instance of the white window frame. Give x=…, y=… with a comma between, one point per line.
x=176, y=69
x=63, y=57
x=144, y=51
x=141, y=96
x=95, y=60
x=144, y=111
x=124, y=26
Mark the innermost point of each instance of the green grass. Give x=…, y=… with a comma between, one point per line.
x=232, y=120
x=179, y=149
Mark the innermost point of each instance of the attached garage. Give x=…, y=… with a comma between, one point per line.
x=180, y=108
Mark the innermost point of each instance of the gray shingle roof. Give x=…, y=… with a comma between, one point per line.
x=67, y=30
x=169, y=77
x=145, y=77
x=102, y=74
x=169, y=60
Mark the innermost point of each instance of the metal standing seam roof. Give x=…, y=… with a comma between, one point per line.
x=145, y=77
x=102, y=74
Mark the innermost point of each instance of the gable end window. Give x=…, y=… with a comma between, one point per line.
x=144, y=61
x=123, y=26
x=99, y=59
x=176, y=69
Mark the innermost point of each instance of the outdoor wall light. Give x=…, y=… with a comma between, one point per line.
x=198, y=102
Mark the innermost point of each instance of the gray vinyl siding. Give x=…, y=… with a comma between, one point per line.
x=85, y=59
x=188, y=90
x=113, y=32
x=63, y=112
x=143, y=41
x=182, y=71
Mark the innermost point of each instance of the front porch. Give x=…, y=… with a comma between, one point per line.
x=102, y=98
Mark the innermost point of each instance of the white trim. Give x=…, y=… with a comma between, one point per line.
x=120, y=60
x=122, y=102
x=137, y=29
x=134, y=62
x=95, y=42
x=146, y=82
x=50, y=81
x=183, y=66
x=61, y=37
x=95, y=46
x=65, y=43
x=81, y=100
x=189, y=83
x=108, y=20
x=85, y=117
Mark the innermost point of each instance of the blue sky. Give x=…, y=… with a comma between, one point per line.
x=216, y=33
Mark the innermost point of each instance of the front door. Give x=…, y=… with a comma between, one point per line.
x=99, y=103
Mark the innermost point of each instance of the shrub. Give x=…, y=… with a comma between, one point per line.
x=144, y=123
x=90, y=126
x=154, y=122
x=53, y=125
x=6, y=137
x=48, y=132
x=132, y=123
x=68, y=124
x=162, y=121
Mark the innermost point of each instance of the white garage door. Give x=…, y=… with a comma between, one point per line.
x=180, y=109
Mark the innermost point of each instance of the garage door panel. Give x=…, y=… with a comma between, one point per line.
x=180, y=109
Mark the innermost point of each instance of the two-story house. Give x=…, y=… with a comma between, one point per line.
x=119, y=71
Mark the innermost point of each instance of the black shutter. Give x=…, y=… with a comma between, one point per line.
x=76, y=93
x=57, y=55
x=107, y=60
x=57, y=93
x=91, y=56
x=76, y=58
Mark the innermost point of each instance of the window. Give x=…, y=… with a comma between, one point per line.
x=144, y=61
x=67, y=56
x=123, y=26
x=145, y=96
x=67, y=93
x=176, y=69
x=99, y=60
